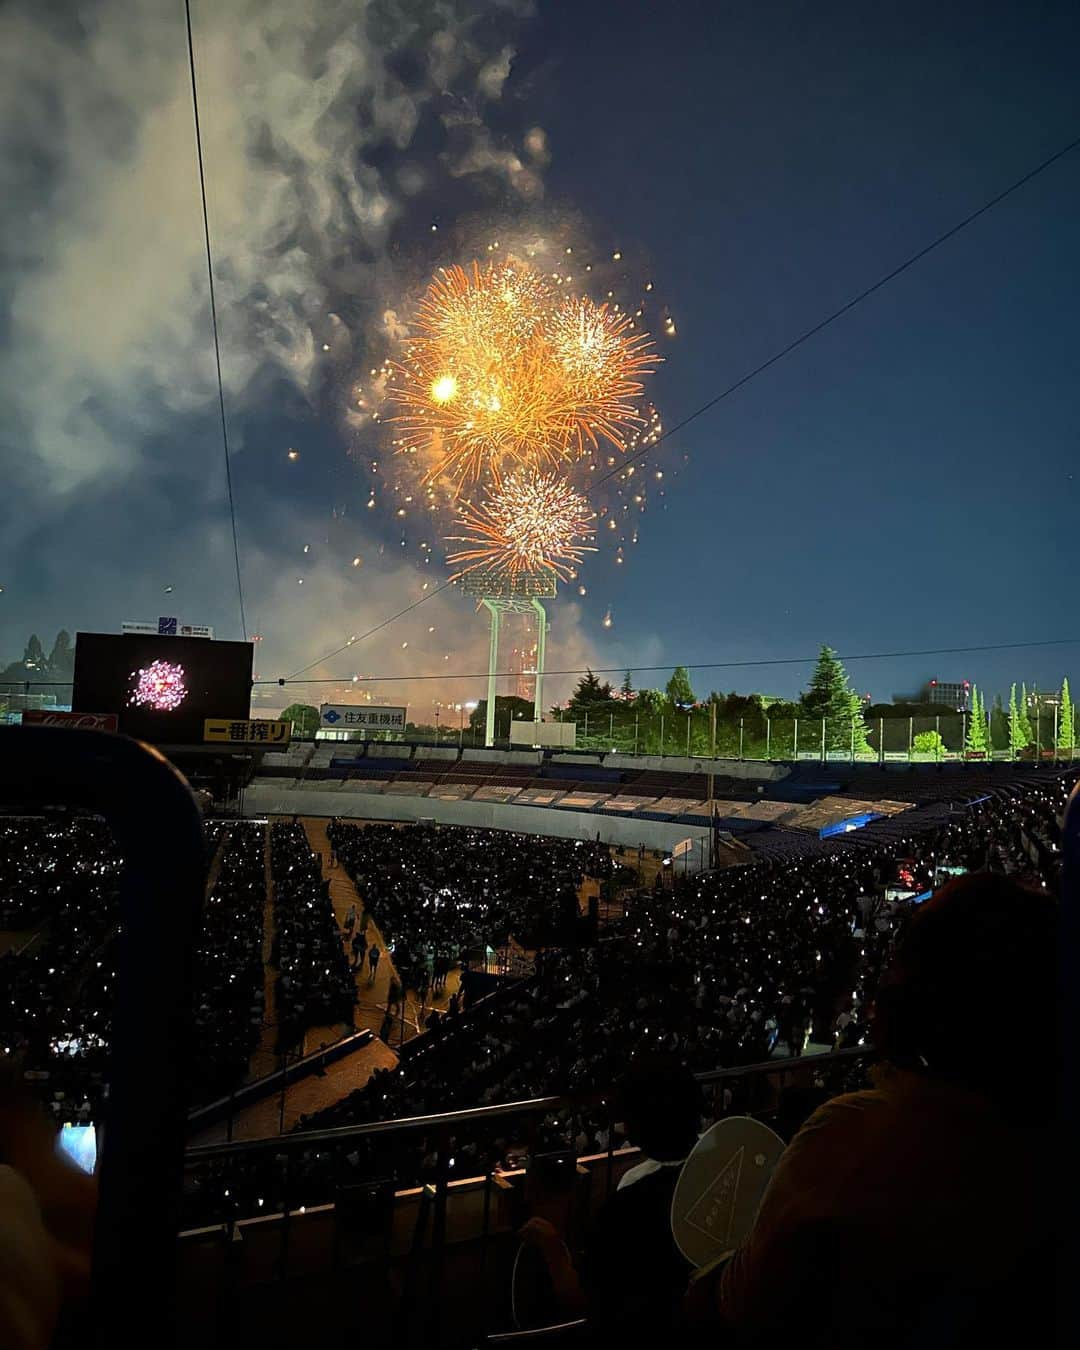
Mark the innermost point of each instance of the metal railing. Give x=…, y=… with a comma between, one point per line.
x=884, y=740
x=447, y=1120
x=280, y=1191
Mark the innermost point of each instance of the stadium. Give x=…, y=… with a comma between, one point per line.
x=396, y=988
x=587, y=853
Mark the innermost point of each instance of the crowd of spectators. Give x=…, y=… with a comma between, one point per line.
x=439, y=894
x=228, y=1012
x=59, y=880
x=58, y=975
x=721, y=970
x=315, y=986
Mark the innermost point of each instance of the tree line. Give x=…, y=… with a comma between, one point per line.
x=829, y=713
x=57, y=665
x=828, y=717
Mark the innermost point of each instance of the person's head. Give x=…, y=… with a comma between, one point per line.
x=972, y=990
x=660, y=1101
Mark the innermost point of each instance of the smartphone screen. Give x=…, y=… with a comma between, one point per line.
x=79, y=1143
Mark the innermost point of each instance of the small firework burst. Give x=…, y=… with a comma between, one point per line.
x=159, y=686
x=531, y=522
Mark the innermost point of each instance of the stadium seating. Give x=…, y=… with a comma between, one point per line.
x=728, y=969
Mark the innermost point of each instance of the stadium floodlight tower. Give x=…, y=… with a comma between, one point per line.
x=521, y=593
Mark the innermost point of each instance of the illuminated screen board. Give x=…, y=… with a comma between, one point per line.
x=162, y=689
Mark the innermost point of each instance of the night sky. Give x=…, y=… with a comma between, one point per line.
x=905, y=480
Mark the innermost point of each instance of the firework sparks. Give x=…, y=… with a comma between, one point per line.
x=159, y=686
x=506, y=372
x=531, y=523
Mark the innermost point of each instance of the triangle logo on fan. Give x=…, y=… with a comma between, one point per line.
x=713, y=1212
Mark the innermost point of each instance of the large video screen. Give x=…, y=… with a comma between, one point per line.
x=162, y=689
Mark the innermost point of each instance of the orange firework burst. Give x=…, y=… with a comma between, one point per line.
x=532, y=522
x=504, y=372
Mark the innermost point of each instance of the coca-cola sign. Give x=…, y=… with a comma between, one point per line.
x=47, y=717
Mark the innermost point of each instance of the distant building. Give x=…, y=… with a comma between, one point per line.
x=1043, y=701
x=952, y=694
x=523, y=663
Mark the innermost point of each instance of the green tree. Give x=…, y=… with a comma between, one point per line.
x=1026, y=732
x=679, y=690
x=831, y=698
x=62, y=656
x=747, y=710
x=34, y=655
x=627, y=687
x=649, y=702
x=508, y=708
x=901, y=708
x=589, y=692
x=1066, y=721
x=858, y=738
x=929, y=743
x=1016, y=729
x=976, y=727
x=304, y=717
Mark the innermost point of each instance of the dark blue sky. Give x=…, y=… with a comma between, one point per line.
x=906, y=479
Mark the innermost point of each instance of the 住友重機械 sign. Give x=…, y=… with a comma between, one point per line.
x=351, y=717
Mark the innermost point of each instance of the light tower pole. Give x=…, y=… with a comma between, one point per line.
x=500, y=594
x=541, y=649
x=494, y=608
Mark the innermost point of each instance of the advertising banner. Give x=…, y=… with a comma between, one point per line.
x=244, y=731
x=46, y=717
x=167, y=626
x=354, y=717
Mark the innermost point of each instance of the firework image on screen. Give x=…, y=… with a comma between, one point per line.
x=159, y=686
x=162, y=689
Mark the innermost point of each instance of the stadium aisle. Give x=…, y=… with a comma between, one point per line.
x=371, y=1005
x=263, y=1119
x=264, y=1059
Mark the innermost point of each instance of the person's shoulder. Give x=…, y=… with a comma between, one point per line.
x=850, y=1112
x=653, y=1191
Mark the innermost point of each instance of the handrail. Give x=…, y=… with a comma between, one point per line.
x=209, y=1113
x=302, y=1139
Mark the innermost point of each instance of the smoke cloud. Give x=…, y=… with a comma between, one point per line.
x=334, y=134
x=308, y=111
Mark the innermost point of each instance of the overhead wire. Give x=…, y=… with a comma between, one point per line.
x=845, y=308
x=352, y=641
x=214, y=319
